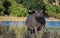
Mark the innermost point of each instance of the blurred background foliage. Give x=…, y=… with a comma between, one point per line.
x=20, y=7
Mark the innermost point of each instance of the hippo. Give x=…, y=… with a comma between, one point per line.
x=36, y=21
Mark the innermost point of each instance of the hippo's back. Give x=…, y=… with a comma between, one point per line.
x=30, y=20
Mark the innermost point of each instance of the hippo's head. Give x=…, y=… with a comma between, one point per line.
x=38, y=13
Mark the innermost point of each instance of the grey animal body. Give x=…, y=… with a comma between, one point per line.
x=35, y=20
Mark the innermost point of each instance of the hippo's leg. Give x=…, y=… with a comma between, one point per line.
x=38, y=29
x=31, y=30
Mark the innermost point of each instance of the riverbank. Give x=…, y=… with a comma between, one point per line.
x=10, y=18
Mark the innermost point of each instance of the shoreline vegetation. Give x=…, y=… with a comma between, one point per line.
x=12, y=18
x=22, y=32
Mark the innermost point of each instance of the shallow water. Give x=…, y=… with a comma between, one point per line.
x=53, y=24
x=48, y=23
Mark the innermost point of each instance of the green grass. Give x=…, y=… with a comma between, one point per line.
x=53, y=28
x=22, y=32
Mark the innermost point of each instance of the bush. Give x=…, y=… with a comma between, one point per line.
x=2, y=9
x=51, y=8
x=33, y=4
x=51, y=14
x=58, y=9
x=17, y=9
x=52, y=11
x=58, y=15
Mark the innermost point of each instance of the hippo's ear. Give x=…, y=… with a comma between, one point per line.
x=41, y=11
x=31, y=12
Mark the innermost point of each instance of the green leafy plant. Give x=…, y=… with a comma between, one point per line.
x=17, y=10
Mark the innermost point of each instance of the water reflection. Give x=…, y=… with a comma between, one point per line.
x=15, y=23
x=8, y=23
x=23, y=23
